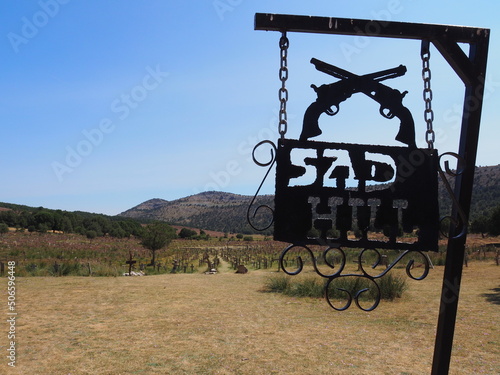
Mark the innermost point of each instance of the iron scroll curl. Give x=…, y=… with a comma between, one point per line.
x=349, y=295
x=461, y=221
x=300, y=262
x=409, y=265
x=270, y=163
x=364, y=282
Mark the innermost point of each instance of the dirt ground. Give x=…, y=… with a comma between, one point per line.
x=224, y=324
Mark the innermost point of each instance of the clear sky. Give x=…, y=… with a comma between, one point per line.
x=106, y=104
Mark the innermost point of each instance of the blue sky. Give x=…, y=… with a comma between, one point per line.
x=107, y=104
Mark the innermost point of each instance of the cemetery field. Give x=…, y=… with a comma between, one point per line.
x=224, y=324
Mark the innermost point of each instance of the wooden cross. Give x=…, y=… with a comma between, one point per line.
x=130, y=263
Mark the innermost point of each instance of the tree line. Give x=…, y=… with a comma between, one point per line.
x=487, y=223
x=92, y=225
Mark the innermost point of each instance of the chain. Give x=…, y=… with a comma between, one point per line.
x=430, y=136
x=283, y=92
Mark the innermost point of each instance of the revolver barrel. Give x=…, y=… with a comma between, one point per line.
x=344, y=74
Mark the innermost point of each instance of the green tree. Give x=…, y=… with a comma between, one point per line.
x=43, y=228
x=204, y=235
x=44, y=219
x=187, y=233
x=3, y=228
x=94, y=224
x=131, y=227
x=494, y=222
x=91, y=234
x=9, y=218
x=117, y=231
x=66, y=225
x=480, y=225
x=57, y=220
x=155, y=237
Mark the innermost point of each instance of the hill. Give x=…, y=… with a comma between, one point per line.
x=218, y=211
x=226, y=212
x=485, y=194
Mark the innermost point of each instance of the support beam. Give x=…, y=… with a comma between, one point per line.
x=346, y=26
x=463, y=192
x=457, y=59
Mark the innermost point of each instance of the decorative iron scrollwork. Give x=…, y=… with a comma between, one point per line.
x=364, y=283
x=270, y=163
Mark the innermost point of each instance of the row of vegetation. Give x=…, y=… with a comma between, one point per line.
x=40, y=219
x=158, y=250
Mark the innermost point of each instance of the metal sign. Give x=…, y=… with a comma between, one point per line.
x=323, y=210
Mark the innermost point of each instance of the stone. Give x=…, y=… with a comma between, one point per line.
x=241, y=269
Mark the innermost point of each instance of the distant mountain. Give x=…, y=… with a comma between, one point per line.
x=226, y=212
x=219, y=211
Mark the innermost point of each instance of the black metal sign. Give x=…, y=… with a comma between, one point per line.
x=395, y=191
x=325, y=208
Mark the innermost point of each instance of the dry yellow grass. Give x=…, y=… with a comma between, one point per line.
x=222, y=324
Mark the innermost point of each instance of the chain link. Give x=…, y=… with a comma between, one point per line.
x=425, y=54
x=283, y=92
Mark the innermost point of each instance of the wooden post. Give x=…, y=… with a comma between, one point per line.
x=130, y=263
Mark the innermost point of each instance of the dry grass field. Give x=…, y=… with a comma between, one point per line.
x=223, y=324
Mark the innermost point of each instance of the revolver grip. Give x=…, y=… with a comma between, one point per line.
x=406, y=132
x=310, y=126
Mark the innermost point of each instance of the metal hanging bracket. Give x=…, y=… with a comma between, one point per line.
x=471, y=69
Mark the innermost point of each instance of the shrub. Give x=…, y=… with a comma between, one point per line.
x=187, y=233
x=391, y=287
x=67, y=269
x=104, y=270
x=91, y=234
x=308, y=287
x=277, y=283
x=4, y=228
